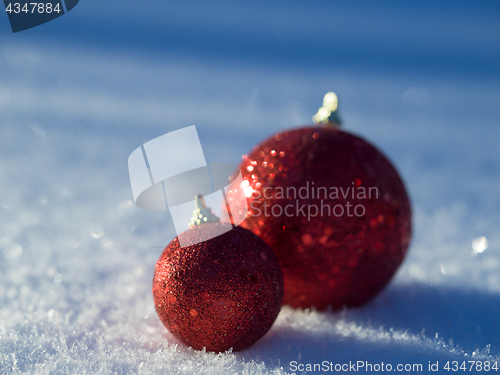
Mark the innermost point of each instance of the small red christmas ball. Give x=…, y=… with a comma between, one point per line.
x=332, y=208
x=222, y=293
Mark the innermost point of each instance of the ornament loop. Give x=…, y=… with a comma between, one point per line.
x=328, y=113
x=202, y=214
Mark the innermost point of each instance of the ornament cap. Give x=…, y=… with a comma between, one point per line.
x=328, y=113
x=202, y=214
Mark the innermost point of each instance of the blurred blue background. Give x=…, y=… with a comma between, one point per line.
x=420, y=80
x=241, y=71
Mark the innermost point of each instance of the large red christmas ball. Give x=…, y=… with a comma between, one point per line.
x=332, y=208
x=219, y=294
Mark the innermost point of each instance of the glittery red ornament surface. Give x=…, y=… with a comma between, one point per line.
x=334, y=211
x=222, y=293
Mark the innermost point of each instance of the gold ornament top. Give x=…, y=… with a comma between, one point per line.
x=328, y=113
x=202, y=214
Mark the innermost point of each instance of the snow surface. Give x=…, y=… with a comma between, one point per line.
x=76, y=258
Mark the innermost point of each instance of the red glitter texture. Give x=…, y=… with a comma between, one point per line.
x=220, y=294
x=327, y=259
